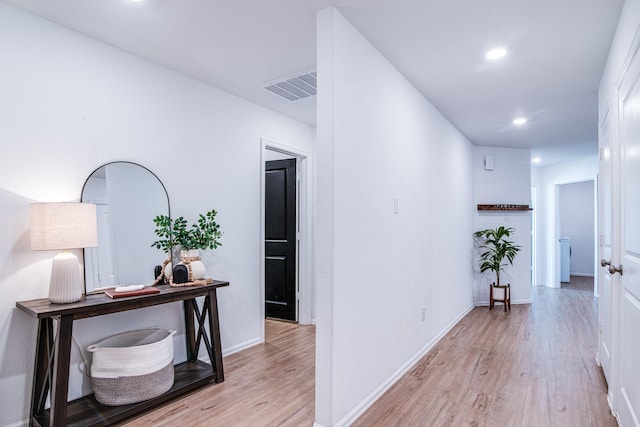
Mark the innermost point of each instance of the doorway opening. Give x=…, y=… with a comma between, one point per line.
x=285, y=253
x=280, y=238
x=576, y=237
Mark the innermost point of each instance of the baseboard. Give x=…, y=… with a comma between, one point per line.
x=23, y=423
x=499, y=304
x=548, y=285
x=386, y=385
x=581, y=274
x=242, y=346
x=610, y=403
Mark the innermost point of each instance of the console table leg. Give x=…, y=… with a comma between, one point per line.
x=214, y=330
x=189, y=330
x=41, y=371
x=62, y=358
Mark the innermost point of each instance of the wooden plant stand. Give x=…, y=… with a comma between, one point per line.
x=506, y=300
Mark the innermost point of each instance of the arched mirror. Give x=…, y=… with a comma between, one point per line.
x=127, y=197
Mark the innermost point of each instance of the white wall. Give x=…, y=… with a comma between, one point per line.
x=70, y=104
x=379, y=139
x=547, y=180
x=508, y=183
x=577, y=221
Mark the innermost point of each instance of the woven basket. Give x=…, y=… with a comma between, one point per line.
x=133, y=366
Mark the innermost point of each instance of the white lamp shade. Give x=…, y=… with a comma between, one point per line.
x=63, y=226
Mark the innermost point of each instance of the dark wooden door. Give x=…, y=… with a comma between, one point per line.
x=280, y=239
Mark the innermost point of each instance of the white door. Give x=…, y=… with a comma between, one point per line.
x=629, y=313
x=606, y=310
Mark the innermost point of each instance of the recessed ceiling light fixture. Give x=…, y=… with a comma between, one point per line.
x=536, y=160
x=519, y=121
x=496, y=53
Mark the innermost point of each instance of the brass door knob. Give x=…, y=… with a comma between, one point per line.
x=604, y=262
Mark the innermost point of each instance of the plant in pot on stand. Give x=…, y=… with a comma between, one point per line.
x=202, y=235
x=498, y=252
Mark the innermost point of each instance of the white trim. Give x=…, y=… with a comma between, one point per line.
x=236, y=348
x=582, y=274
x=22, y=423
x=513, y=302
x=305, y=209
x=386, y=385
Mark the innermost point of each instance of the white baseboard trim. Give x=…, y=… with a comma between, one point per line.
x=610, y=402
x=499, y=304
x=386, y=385
x=23, y=423
x=547, y=285
x=581, y=274
x=242, y=346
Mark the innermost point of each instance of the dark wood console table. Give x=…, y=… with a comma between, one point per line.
x=53, y=353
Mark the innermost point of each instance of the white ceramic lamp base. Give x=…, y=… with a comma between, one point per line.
x=66, y=283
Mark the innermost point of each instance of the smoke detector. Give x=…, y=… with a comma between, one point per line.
x=296, y=87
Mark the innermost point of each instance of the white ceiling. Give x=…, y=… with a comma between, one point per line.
x=557, y=51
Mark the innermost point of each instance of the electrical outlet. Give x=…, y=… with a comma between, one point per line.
x=424, y=313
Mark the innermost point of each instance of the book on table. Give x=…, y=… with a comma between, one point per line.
x=145, y=291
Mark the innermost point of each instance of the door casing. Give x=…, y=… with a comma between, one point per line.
x=305, y=209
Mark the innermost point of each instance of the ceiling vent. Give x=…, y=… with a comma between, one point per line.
x=294, y=88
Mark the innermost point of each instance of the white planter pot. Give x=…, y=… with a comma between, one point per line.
x=191, y=258
x=168, y=271
x=498, y=293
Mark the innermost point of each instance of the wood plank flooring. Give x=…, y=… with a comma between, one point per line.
x=532, y=367
x=271, y=384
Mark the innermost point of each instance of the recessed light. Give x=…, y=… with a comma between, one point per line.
x=496, y=53
x=536, y=160
x=519, y=121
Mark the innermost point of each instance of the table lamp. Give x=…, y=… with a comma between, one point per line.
x=64, y=226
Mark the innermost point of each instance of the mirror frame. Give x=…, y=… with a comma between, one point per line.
x=84, y=251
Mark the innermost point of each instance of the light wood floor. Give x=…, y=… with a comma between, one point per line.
x=532, y=367
x=271, y=384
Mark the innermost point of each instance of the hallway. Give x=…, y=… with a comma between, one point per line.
x=532, y=367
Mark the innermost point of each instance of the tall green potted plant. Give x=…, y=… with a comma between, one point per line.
x=497, y=253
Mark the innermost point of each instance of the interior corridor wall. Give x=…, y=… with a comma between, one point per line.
x=509, y=181
x=394, y=223
x=70, y=104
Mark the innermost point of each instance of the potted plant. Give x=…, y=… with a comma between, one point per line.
x=498, y=252
x=203, y=234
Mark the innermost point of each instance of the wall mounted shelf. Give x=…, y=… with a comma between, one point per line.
x=504, y=207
